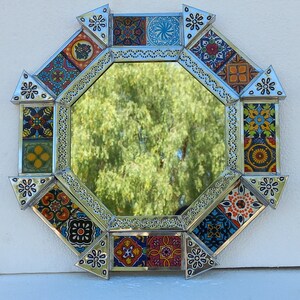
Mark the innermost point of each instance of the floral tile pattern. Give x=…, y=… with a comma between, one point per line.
x=164, y=251
x=260, y=155
x=240, y=205
x=130, y=251
x=129, y=31
x=58, y=74
x=237, y=73
x=163, y=31
x=56, y=207
x=259, y=120
x=37, y=122
x=259, y=137
x=37, y=156
x=97, y=23
x=215, y=230
x=68, y=219
x=82, y=50
x=236, y=209
x=79, y=230
x=213, y=51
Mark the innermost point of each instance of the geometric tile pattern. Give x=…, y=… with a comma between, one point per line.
x=68, y=219
x=194, y=21
x=58, y=74
x=237, y=73
x=27, y=189
x=197, y=260
x=146, y=31
x=96, y=260
x=164, y=251
x=82, y=50
x=259, y=137
x=270, y=187
x=96, y=21
x=37, y=134
x=37, y=156
x=147, y=251
x=163, y=31
x=212, y=50
x=29, y=90
x=37, y=122
x=129, y=31
x=130, y=251
x=238, y=207
x=265, y=85
x=215, y=230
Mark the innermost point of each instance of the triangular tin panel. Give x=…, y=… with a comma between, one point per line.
x=96, y=260
x=194, y=21
x=270, y=187
x=97, y=22
x=197, y=259
x=267, y=85
x=29, y=90
x=28, y=188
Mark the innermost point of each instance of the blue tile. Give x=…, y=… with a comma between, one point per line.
x=215, y=230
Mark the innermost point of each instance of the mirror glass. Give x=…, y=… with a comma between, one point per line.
x=147, y=139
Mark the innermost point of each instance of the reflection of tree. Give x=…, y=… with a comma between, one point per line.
x=147, y=138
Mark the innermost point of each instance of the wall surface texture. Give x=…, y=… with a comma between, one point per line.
x=267, y=31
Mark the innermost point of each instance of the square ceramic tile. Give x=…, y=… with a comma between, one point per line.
x=82, y=50
x=164, y=251
x=58, y=74
x=240, y=205
x=129, y=31
x=56, y=207
x=212, y=50
x=260, y=154
x=37, y=122
x=79, y=230
x=37, y=156
x=163, y=31
x=259, y=120
x=237, y=73
x=215, y=230
x=130, y=251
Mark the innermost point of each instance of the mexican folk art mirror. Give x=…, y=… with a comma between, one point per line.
x=148, y=142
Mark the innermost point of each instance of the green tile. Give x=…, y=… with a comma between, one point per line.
x=37, y=156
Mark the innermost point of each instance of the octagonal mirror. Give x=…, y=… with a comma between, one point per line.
x=126, y=162
x=147, y=139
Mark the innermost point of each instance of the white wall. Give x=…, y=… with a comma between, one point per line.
x=267, y=31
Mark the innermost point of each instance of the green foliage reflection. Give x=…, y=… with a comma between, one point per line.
x=147, y=138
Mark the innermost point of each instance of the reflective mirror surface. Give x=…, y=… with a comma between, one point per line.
x=147, y=138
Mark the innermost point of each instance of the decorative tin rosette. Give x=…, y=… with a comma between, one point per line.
x=192, y=240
